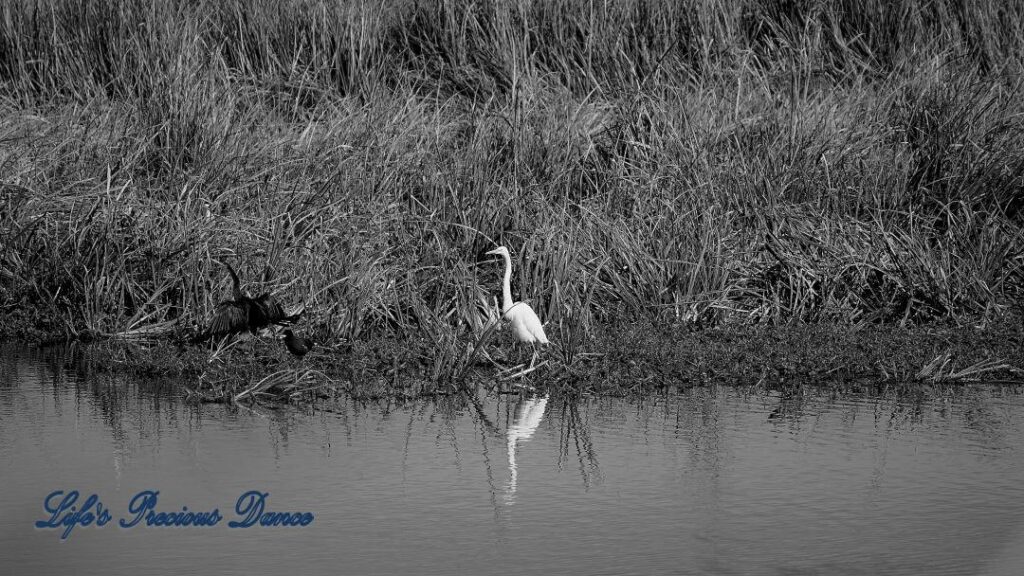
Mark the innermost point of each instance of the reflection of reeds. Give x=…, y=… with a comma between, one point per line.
x=575, y=435
x=790, y=408
x=486, y=427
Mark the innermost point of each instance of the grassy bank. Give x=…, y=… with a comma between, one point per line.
x=661, y=163
x=636, y=359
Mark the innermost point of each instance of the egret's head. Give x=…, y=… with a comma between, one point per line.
x=286, y=334
x=499, y=251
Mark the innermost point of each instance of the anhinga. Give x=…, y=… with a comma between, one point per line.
x=243, y=313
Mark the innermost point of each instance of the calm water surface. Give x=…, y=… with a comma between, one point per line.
x=711, y=481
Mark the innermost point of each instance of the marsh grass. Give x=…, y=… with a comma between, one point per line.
x=647, y=162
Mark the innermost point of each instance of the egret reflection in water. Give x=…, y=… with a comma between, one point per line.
x=529, y=413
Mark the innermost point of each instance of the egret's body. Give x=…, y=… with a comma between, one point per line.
x=524, y=321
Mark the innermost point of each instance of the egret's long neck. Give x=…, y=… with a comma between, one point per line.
x=506, y=286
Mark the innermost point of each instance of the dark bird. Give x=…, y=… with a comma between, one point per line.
x=243, y=313
x=297, y=345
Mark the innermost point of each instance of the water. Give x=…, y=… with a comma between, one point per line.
x=715, y=481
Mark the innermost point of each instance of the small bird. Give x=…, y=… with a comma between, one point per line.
x=243, y=313
x=525, y=323
x=297, y=345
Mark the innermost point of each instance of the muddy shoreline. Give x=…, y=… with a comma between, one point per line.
x=630, y=359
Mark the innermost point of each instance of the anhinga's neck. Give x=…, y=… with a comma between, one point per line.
x=236, y=289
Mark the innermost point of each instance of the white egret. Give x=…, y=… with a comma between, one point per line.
x=525, y=323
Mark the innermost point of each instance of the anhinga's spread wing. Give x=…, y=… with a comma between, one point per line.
x=243, y=313
x=268, y=310
x=230, y=317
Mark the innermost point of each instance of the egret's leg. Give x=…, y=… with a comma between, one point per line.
x=534, y=358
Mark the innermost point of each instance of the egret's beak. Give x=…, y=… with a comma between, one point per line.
x=493, y=252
